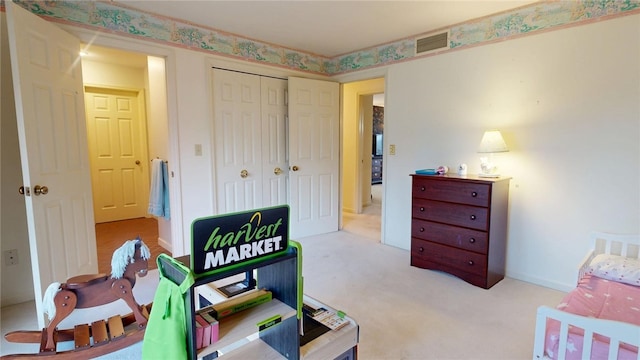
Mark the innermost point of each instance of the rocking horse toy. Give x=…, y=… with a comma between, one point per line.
x=87, y=291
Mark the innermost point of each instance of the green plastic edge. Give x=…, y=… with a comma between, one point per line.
x=298, y=247
x=266, y=321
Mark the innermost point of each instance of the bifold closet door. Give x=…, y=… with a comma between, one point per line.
x=275, y=161
x=238, y=144
x=250, y=141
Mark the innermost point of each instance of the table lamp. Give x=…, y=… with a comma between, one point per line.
x=492, y=142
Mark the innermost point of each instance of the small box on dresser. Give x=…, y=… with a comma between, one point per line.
x=459, y=226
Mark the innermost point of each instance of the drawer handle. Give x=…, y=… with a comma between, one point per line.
x=474, y=194
x=421, y=249
x=472, y=217
x=472, y=240
x=470, y=262
x=421, y=208
x=422, y=188
x=421, y=229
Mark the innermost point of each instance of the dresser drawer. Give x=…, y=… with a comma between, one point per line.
x=469, y=193
x=462, y=260
x=473, y=240
x=455, y=214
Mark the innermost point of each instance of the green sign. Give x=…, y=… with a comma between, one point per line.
x=224, y=241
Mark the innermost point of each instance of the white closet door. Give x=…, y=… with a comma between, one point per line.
x=238, y=141
x=314, y=136
x=274, y=144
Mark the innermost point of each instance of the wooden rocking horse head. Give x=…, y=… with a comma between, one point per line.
x=130, y=259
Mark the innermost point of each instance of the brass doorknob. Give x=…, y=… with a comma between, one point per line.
x=295, y=168
x=21, y=190
x=137, y=162
x=244, y=174
x=40, y=190
x=277, y=171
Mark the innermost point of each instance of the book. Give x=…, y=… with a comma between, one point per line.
x=240, y=302
x=208, y=316
x=206, y=331
x=199, y=335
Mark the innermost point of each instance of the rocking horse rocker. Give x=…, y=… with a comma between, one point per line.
x=87, y=291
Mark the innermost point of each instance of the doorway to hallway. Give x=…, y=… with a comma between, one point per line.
x=363, y=158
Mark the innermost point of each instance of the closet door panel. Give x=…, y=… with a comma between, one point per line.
x=274, y=141
x=238, y=144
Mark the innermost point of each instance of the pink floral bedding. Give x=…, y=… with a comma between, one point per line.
x=599, y=298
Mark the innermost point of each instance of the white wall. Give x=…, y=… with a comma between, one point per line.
x=566, y=102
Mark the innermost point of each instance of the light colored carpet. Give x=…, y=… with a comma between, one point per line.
x=403, y=312
x=410, y=313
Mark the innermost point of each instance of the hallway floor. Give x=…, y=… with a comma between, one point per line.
x=111, y=235
x=368, y=223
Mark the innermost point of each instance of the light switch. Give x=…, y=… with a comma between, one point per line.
x=198, y=149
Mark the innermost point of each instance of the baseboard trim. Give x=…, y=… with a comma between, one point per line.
x=541, y=282
x=165, y=244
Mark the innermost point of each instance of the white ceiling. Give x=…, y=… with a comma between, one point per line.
x=325, y=27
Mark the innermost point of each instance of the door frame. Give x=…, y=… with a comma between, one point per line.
x=352, y=118
x=180, y=244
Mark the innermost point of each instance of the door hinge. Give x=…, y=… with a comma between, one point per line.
x=286, y=97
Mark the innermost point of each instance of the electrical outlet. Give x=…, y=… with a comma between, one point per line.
x=11, y=257
x=392, y=149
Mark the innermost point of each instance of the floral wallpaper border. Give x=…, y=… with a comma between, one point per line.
x=120, y=20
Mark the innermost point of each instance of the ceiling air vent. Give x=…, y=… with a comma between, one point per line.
x=432, y=42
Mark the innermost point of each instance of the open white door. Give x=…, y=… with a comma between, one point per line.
x=47, y=80
x=314, y=144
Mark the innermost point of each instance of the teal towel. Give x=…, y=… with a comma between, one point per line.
x=159, y=192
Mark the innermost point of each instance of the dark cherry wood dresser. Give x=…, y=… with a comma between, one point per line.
x=459, y=226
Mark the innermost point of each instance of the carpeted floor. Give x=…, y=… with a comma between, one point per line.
x=403, y=312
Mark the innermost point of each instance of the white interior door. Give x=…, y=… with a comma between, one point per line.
x=274, y=142
x=238, y=145
x=52, y=133
x=314, y=135
x=119, y=164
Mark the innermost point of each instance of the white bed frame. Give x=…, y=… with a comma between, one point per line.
x=605, y=243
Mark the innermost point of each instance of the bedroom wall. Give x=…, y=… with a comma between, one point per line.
x=569, y=114
x=567, y=104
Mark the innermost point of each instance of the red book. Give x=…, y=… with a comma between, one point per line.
x=199, y=334
x=208, y=315
x=206, y=331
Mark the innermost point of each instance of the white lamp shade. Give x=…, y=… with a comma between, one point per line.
x=492, y=141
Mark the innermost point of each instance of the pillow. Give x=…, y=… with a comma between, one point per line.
x=616, y=268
